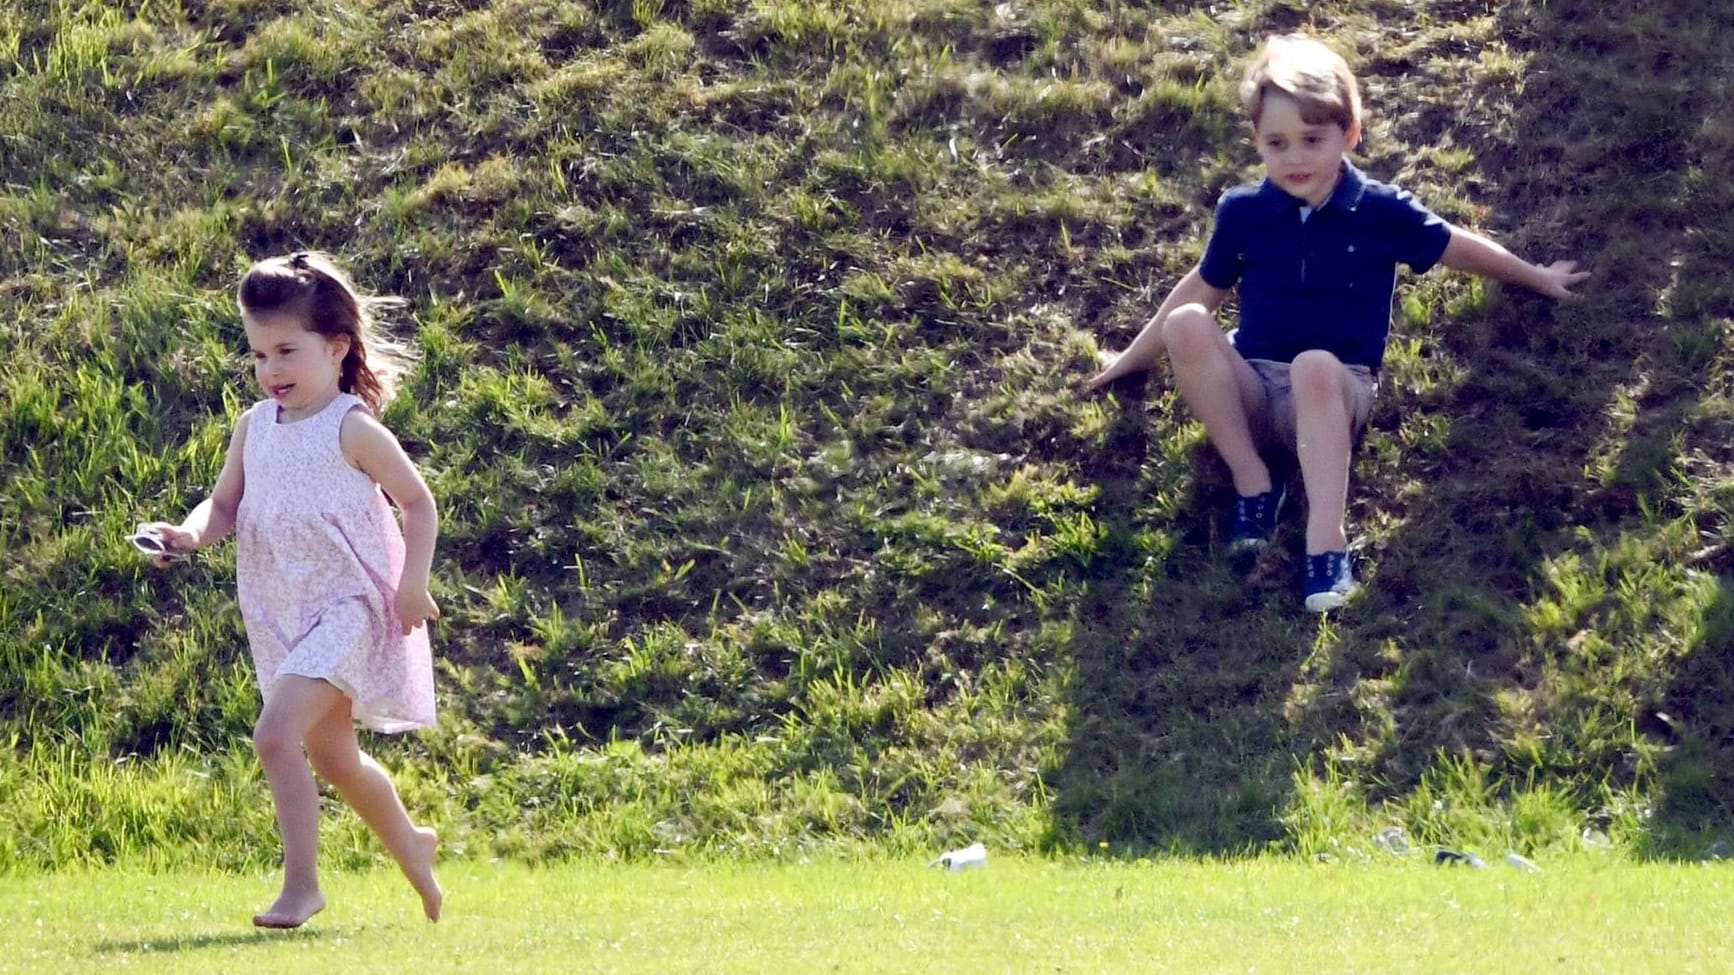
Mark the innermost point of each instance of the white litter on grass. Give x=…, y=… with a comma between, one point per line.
x=1519, y=862
x=1392, y=840
x=957, y=861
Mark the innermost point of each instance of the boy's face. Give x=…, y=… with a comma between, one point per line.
x=1304, y=159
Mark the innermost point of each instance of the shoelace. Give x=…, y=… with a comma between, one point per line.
x=1322, y=569
x=1253, y=509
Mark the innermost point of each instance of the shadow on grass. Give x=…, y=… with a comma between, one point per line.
x=1692, y=814
x=1178, y=741
x=171, y=943
x=1621, y=112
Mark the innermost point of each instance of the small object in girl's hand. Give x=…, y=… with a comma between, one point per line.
x=154, y=543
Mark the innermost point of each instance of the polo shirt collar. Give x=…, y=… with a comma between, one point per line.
x=1349, y=189
x=1347, y=195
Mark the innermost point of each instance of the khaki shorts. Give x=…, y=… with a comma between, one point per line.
x=1274, y=425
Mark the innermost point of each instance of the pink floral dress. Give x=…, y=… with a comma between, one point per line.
x=318, y=557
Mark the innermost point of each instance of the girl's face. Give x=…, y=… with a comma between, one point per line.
x=298, y=368
x=1304, y=159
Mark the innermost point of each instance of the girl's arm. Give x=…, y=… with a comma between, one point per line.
x=1146, y=349
x=375, y=452
x=214, y=517
x=1469, y=251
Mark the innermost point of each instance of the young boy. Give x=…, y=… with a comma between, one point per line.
x=1314, y=249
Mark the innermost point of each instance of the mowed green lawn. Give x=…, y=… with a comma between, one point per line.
x=1012, y=916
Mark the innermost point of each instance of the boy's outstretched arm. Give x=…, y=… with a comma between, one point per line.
x=1469, y=251
x=1146, y=349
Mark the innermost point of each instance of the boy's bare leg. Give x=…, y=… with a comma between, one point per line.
x=1323, y=403
x=295, y=705
x=368, y=789
x=1220, y=389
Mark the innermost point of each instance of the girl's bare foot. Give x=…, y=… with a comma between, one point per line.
x=292, y=909
x=419, y=868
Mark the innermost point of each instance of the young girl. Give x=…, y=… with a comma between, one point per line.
x=332, y=594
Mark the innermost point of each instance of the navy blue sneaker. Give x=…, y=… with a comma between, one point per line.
x=1254, y=522
x=1329, y=582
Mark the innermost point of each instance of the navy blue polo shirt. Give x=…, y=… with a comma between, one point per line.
x=1324, y=282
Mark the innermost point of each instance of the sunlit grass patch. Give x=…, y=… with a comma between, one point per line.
x=1098, y=916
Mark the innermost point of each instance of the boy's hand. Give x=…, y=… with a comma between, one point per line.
x=1111, y=368
x=415, y=606
x=1469, y=251
x=1557, y=279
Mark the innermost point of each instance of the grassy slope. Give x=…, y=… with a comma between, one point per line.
x=751, y=337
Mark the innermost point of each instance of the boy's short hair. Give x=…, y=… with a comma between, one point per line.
x=1303, y=68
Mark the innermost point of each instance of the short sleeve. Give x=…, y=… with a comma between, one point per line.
x=1418, y=234
x=1224, y=257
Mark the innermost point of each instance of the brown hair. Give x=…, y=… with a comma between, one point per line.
x=1304, y=69
x=309, y=284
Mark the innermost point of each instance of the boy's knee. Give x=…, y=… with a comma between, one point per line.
x=1189, y=328
x=1317, y=371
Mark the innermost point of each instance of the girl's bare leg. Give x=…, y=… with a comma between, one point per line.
x=368, y=789
x=296, y=704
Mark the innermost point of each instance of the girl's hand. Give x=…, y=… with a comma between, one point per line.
x=414, y=607
x=174, y=538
